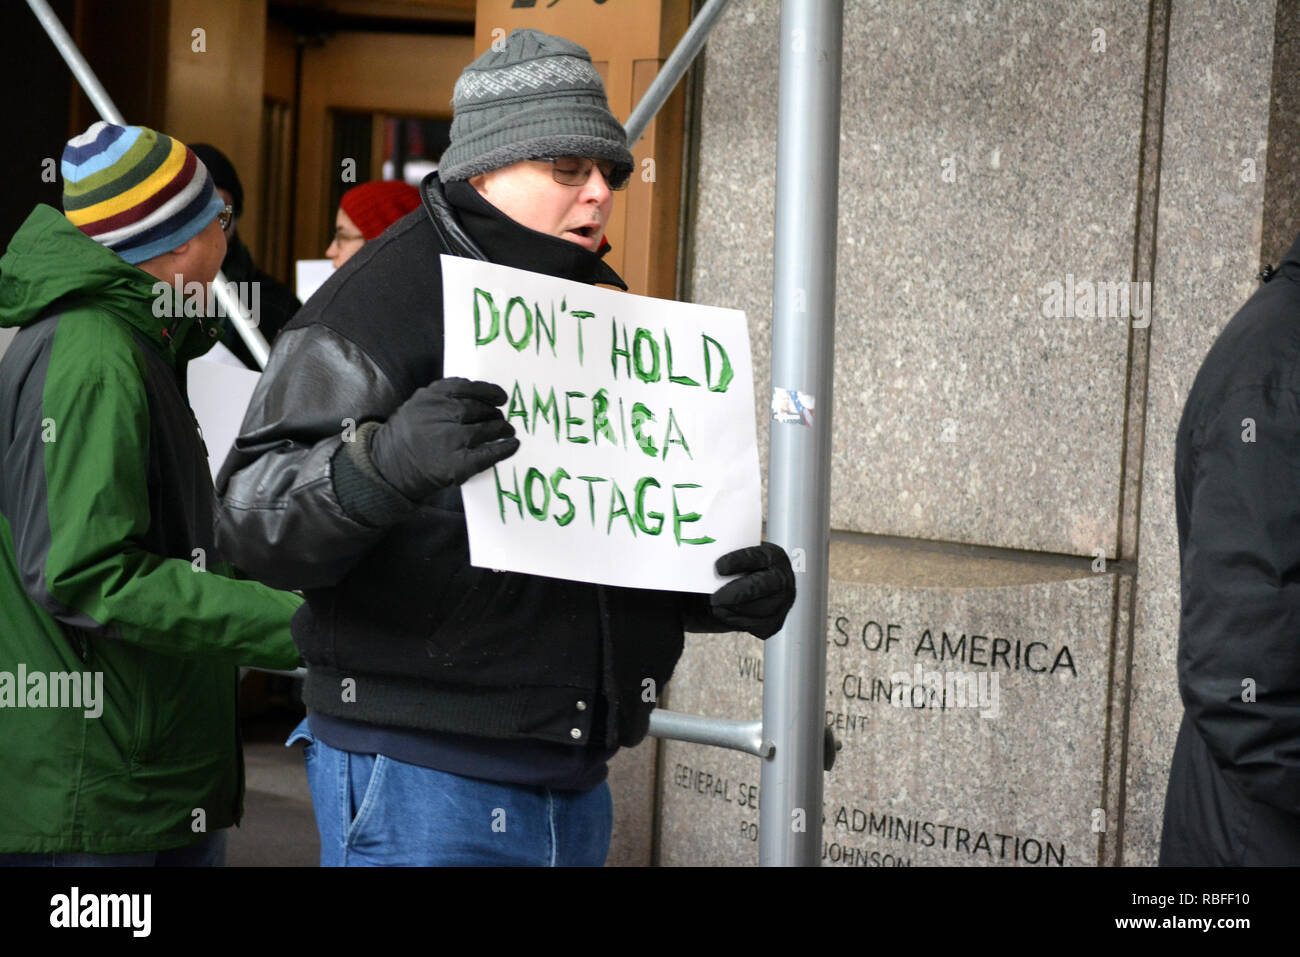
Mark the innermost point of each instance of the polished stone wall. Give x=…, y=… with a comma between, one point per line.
x=1208, y=252
x=1002, y=466
x=972, y=718
x=965, y=190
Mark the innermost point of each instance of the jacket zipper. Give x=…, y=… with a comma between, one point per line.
x=77, y=640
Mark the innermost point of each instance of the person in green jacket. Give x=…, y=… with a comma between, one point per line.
x=121, y=629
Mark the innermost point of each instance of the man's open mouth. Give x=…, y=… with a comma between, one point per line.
x=589, y=231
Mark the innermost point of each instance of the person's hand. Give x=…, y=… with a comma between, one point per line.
x=442, y=435
x=757, y=601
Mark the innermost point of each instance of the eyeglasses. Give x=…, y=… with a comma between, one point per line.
x=575, y=170
x=226, y=216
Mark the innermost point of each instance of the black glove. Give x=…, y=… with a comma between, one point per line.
x=759, y=600
x=443, y=434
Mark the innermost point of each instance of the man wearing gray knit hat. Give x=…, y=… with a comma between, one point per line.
x=533, y=109
x=456, y=715
x=537, y=96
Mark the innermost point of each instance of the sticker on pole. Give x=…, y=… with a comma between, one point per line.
x=637, y=463
x=792, y=407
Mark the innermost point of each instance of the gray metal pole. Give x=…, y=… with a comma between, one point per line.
x=676, y=65
x=803, y=341
x=104, y=106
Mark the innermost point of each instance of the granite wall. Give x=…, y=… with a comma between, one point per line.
x=1047, y=213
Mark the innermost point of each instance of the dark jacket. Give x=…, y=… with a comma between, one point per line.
x=399, y=629
x=1234, y=788
x=108, y=566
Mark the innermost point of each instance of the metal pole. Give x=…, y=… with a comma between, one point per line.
x=803, y=341
x=677, y=63
x=99, y=98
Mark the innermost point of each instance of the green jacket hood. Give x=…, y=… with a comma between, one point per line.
x=50, y=260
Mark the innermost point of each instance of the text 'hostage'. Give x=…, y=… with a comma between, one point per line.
x=637, y=464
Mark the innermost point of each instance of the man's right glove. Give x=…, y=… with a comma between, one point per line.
x=758, y=601
x=442, y=435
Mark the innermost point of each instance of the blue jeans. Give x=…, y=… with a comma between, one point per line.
x=209, y=852
x=374, y=811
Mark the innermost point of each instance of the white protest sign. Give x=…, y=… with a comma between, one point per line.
x=637, y=462
x=219, y=394
x=310, y=275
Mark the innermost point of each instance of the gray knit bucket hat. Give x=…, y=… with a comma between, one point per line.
x=537, y=96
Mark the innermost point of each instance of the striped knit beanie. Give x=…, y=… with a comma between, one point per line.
x=537, y=96
x=136, y=191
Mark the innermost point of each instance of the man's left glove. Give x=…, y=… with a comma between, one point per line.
x=759, y=600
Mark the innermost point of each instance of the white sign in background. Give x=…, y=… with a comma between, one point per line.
x=310, y=275
x=219, y=394
x=637, y=463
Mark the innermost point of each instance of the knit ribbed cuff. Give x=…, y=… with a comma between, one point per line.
x=365, y=494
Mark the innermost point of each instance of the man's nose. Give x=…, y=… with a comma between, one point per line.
x=596, y=187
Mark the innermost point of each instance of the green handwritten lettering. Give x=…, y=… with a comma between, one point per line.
x=680, y=440
x=681, y=518
x=668, y=350
x=615, y=351
x=536, y=511
x=570, y=420
x=557, y=477
x=621, y=510
x=517, y=406
x=502, y=494
x=600, y=418
x=521, y=342
x=479, y=338
x=644, y=338
x=579, y=315
x=544, y=329
x=725, y=375
x=640, y=416
x=641, y=514
x=540, y=411
x=591, y=481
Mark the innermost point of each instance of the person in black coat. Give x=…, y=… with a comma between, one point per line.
x=1234, y=787
x=445, y=699
x=276, y=303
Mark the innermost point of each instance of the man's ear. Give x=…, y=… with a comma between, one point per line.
x=182, y=249
x=477, y=182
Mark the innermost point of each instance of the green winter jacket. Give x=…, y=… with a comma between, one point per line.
x=121, y=631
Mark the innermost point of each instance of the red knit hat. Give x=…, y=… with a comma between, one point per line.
x=376, y=206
